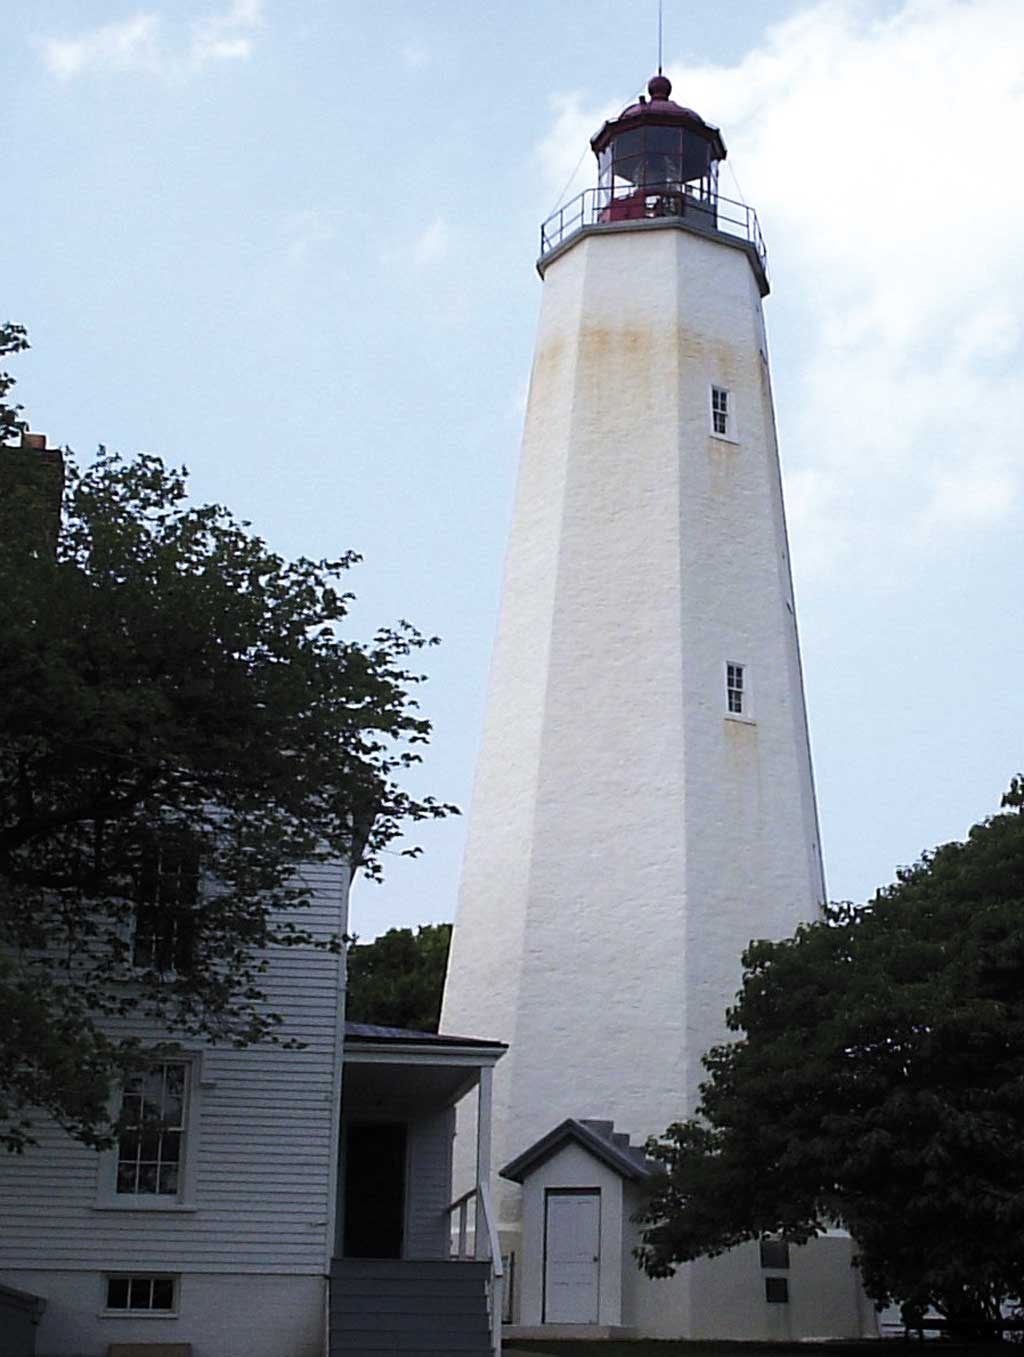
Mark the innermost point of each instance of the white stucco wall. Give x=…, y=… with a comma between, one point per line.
x=725, y=1297
x=626, y=838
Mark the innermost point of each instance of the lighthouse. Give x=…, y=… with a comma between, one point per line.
x=644, y=802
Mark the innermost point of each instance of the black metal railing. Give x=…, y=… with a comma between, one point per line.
x=608, y=206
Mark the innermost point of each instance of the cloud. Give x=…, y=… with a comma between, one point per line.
x=876, y=148
x=228, y=36
x=406, y=256
x=133, y=45
x=431, y=242
x=307, y=230
x=564, y=154
x=414, y=57
x=140, y=44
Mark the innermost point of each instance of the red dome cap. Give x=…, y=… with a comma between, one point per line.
x=659, y=108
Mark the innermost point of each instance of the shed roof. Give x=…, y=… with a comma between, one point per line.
x=598, y=1138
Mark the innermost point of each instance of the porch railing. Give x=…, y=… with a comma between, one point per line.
x=485, y=1247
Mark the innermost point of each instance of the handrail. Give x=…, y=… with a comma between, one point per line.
x=606, y=206
x=492, y=1233
x=482, y=1193
x=466, y=1197
x=461, y=1204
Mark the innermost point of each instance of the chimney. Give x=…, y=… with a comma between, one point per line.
x=31, y=490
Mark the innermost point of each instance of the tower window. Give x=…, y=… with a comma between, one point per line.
x=774, y=1253
x=735, y=689
x=720, y=412
x=776, y=1290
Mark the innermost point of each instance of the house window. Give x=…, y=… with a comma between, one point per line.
x=776, y=1290
x=166, y=899
x=735, y=689
x=151, y=1144
x=142, y=1294
x=720, y=412
x=774, y=1253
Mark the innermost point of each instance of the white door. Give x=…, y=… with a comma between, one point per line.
x=572, y=1256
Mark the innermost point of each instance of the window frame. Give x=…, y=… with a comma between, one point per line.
x=184, y=1200
x=780, y=1285
x=771, y=1246
x=162, y=1156
x=728, y=413
x=746, y=713
x=168, y=894
x=107, y=1311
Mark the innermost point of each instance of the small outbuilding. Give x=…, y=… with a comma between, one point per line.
x=577, y=1202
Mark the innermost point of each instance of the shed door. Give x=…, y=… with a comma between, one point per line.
x=572, y=1256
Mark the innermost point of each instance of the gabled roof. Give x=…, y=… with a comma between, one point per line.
x=598, y=1138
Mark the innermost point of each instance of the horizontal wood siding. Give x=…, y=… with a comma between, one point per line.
x=430, y=1184
x=263, y=1143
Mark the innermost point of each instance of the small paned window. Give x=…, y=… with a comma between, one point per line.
x=166, y=900
x=776, y=1290
x=774, y=1253
x=720, y=411
x=151, y=1144
x=141, y=1295
x=734, y=689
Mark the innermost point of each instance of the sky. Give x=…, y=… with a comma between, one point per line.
x=291, y=244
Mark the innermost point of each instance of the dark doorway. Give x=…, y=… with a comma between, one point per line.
x=374, y=1190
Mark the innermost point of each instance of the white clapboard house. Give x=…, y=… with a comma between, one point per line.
x=295, y=1202
x=289, y=1203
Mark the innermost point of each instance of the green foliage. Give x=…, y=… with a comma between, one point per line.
x=398, y=979
x=163, y=672
x=878, y=1084
x=12, y=340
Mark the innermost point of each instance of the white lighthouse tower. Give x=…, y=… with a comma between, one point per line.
x=644, y=802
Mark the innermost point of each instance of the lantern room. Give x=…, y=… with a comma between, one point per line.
x=657, y=166
x=656, y=149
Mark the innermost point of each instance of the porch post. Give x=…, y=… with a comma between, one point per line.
x=483, y=1154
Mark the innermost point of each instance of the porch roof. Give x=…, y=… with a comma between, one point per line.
x=366, y=1043
x=360, y=1033
x=399, y=1071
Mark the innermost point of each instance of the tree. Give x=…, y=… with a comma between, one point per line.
x=878, y=1083
x=398, y=979
x=174, y=698
x=12, y=340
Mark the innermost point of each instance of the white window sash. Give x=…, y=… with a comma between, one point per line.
x=107, y=1196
